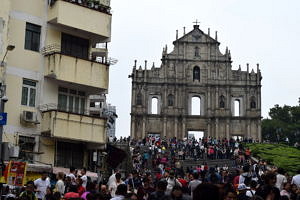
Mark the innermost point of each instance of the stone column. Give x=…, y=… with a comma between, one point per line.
x=217, y=128
x=175, y=128
x=183, y=134
x=208, y=128
x=227, y=130
x=248, y=129
x=259, y=131
x=144, y=128
x=132, y=128
x=165, y=127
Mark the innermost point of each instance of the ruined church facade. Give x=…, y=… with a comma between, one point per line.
x=195, y=71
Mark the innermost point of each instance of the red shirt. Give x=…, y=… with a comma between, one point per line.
x=183, y=182
x=81, y=190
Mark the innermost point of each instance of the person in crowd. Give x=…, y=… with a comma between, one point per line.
x=72, y=175
x=90, y=188
x=80, y=188
x=121, y=192
x=177, y=194
x=206, y=191
x=41, y=185
x=72, y=193
x=60, y=185
x=84, y=177
x=28, y=194
x=104, y=192
x=160, y=193
x=145, y=190
x=251, y=192
x=280, y=178
x=49, y=194
x=194, y=183
x=296, y=179
x=172, y=181
x=242, y=189
x=286, y=191
x=113, y=186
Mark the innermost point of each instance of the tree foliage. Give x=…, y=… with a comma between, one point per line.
x=284, y=123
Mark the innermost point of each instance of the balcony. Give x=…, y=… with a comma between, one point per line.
x=60, y=123
x=89, y=16
x=75, y=70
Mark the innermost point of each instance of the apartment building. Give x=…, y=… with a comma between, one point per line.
x=60, y=59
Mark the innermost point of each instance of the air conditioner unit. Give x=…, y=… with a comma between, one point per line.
x=14, y=151
x=29, y=116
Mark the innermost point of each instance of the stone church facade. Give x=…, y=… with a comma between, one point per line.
x=196, y=71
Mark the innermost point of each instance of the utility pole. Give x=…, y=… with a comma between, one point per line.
x=3, y=98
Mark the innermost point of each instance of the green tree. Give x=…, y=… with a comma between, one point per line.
x=284, y=123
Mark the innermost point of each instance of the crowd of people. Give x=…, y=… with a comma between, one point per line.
x=158, y=174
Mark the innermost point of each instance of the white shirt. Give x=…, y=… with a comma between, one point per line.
x=113, y=187
x=84, y=180
x=41, y=186
x=296, y=180
x=250, y=193
x=193, y=184
x=280, y=179
x=60, y=187
x=72, y=176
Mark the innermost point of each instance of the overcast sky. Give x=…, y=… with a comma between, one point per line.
x=256, y=31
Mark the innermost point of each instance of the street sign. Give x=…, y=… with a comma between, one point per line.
x=3, y=118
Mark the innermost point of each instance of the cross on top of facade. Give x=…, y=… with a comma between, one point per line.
x=196, y=22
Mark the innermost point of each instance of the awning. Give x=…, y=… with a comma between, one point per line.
x=67, y=171
x=39, y=168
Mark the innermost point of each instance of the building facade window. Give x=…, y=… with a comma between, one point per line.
x=252, y=103
x=170, y=100
x=74, y=46
x=32, y=37
x=196, y=105
x=26, y=145
x=69, y=154
x=197, y=54
x=222, y=101
x=28, y=93
x=139, y=99
x=237, y=109
x=196, y=73
x=70, y=100
x=154, y=105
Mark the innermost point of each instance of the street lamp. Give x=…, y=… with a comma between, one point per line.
x=3, y=98
x=8, y=48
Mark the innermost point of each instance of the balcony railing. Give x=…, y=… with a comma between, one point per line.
x=98, y=5
x=56, y=48
x=71, y=110
x=62, y=123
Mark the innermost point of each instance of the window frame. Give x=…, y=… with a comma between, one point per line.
x=196, y=76
x=30, y=85
x=78, y=100
x=32, y=37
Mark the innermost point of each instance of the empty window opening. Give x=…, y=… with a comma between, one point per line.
x=154, y=105
x=222, y=101
x=195, y=134
x=197, y=52
x=237, y=112
x=252, y=103
x=170, y=100
x=196, y=106
x=196, y=73
x=139, y=99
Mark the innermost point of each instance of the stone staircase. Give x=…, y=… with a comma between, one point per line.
x=211, y=163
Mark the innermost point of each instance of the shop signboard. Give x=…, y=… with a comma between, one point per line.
x=16, y=173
